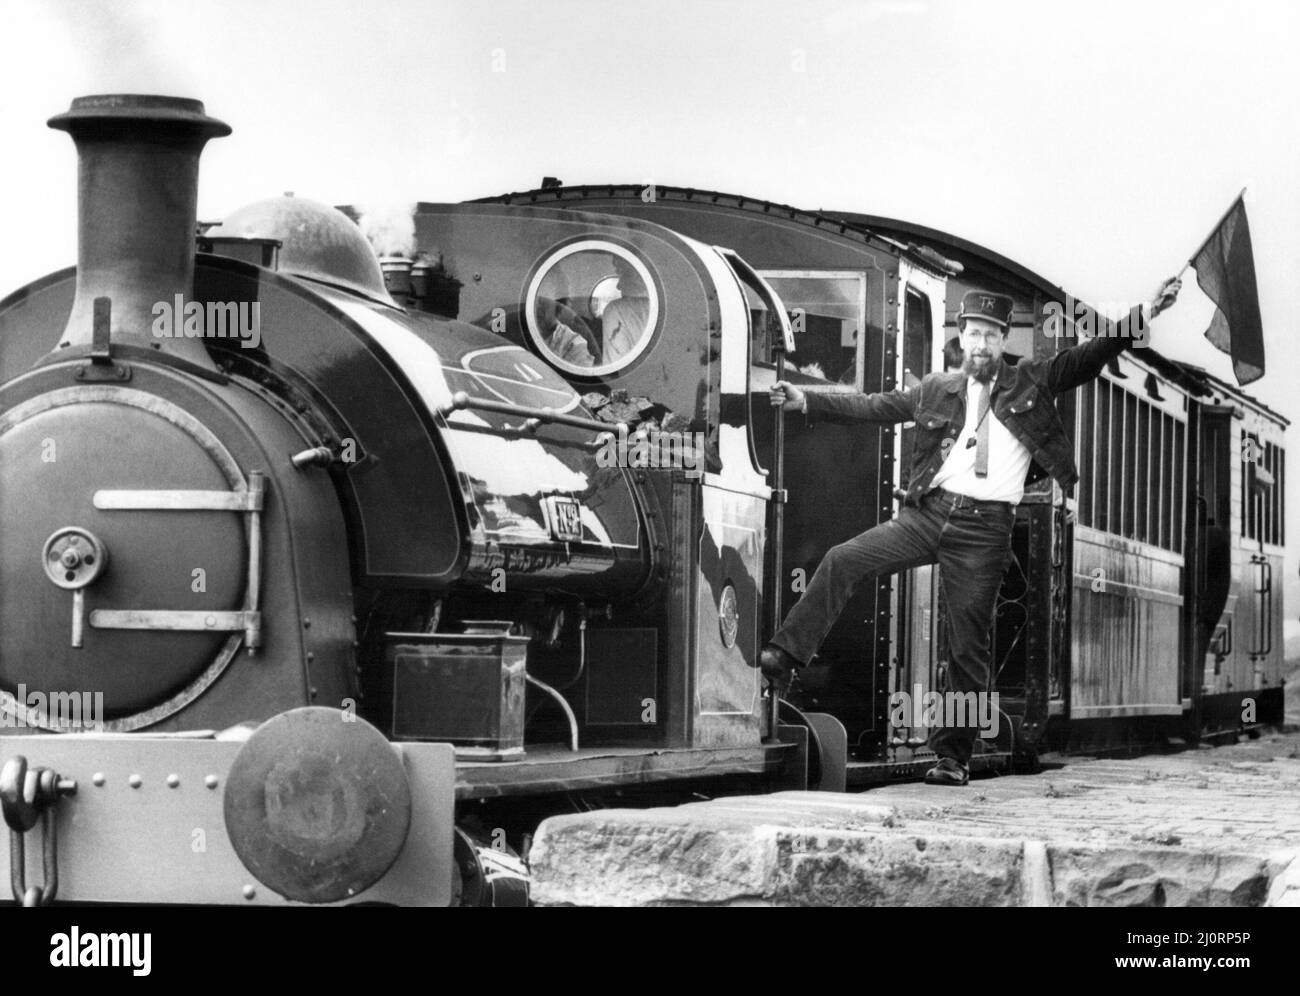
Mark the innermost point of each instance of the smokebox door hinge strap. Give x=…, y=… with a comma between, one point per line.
x=179, y=501
x=249, y=502
x=101, y=366
x=101, y=343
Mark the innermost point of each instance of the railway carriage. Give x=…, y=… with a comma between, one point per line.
x=1173, y=464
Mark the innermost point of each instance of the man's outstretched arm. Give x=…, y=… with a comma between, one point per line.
x=1080, y=364
x=846, y=406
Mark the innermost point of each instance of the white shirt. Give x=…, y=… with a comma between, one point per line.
x=1008, y=457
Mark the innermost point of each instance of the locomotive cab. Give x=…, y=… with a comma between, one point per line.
x=655, y=331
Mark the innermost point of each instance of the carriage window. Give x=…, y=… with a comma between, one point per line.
x=1266, y=496
x=1141, y=494
x=1165, y=482
x=1279, y=492
x=1177, y=507
x=591, y=307
x=1086, y=409
x=828, y=311
x=1250, y=453
x=1129, y=476
x=1101, y=454
x=1115, y=449
x=1276, y=508
x=1130, y=457
x=1261, y=489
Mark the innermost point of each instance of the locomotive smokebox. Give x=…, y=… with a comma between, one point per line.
x=137, y=190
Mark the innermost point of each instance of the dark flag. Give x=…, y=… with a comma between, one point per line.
x=1225, y=269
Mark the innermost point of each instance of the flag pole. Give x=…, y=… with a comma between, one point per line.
x=1207, y=238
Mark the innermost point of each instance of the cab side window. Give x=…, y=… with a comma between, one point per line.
x=828, y=312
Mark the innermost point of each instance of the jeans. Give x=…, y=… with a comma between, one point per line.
x=971, y=543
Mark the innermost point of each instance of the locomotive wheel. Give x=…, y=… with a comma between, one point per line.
x=487, y=874
x=1024, y=761
x=1024, y=754
x=790, y=716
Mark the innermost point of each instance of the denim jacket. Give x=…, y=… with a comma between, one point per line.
x=1022, y=400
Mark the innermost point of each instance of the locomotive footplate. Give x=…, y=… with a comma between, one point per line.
x=863, y=774
x=555, y=768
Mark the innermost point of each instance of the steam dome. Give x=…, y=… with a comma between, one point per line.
x=319, y=242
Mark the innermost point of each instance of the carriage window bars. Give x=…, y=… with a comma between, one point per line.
x=1262, y=490
x=1130, y=455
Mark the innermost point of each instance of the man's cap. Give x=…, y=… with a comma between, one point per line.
x=988, y=305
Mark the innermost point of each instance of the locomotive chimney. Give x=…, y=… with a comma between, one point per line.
x=137, y=189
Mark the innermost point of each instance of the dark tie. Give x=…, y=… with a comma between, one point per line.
x=982, y=431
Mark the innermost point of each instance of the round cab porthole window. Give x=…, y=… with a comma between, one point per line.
x=591, y=307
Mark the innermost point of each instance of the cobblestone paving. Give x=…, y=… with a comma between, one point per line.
x=1243, y=798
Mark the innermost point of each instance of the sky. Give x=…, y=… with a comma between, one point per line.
x=1095, y=142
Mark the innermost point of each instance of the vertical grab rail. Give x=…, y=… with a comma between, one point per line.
x=778, y=537
x=1200, y=532
x=1265, y=591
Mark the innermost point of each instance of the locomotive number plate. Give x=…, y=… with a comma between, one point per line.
x=565, y=518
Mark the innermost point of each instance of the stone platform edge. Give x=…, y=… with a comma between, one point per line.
x=814, y=849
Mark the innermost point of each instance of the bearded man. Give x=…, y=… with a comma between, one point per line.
x=979, y=433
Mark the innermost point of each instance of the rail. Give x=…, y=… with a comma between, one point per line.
x=534, y=416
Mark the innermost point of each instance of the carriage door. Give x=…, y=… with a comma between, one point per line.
x=915, y=608
x=1208, y=582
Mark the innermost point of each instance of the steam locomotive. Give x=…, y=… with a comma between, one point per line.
x=323, y=579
